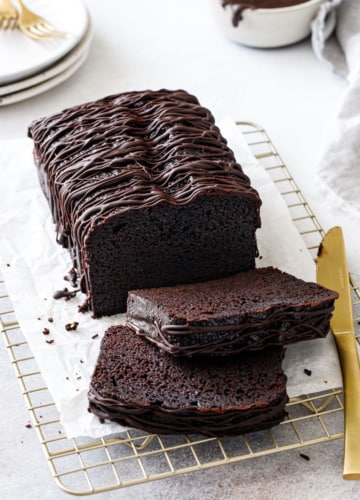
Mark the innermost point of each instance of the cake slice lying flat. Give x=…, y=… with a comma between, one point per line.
x=249, y=310
x=137, y=385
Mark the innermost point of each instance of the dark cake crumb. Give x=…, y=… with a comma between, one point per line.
x=50, y=341
x=51, y=320
x=305, y=457
x=71, y=277
x=28, y=426
x=46, y=331
x=71, y=326
x=307, y=372
x=65, y=294
x=95, y=336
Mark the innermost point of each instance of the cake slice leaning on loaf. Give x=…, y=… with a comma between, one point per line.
x=137, y=385
x=144, y=192
x=249, y=310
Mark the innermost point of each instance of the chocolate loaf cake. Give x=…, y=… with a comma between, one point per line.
x=144, y=192
x=249, y=310
x=137, y=385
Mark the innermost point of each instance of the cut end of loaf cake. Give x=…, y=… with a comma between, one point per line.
x=168, y=245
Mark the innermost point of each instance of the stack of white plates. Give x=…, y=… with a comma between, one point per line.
x=29, y=67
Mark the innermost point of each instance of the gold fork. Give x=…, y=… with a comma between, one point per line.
x=35, y=26
x=8, y=15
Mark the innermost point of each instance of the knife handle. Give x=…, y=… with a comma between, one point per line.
x=349, y=361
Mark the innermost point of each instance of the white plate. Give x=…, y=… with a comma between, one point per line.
x=52, y=71
x=45, y=85
x=22, y=56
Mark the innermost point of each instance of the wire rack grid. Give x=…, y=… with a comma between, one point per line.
x=82, y=466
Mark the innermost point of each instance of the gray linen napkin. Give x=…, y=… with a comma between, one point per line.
x=336, y=40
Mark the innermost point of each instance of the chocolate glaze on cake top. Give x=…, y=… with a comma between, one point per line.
x=238, y=6
x=94, y=150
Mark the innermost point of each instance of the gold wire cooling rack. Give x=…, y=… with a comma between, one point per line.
x=83, y=466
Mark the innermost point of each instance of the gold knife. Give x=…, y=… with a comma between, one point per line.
x=332, y=272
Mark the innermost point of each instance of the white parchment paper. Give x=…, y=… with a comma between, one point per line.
x=34, y=265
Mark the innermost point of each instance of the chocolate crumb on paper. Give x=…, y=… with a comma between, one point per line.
x=46, y=331
x=71, y=326
x=50, y=341
x=65, y=294
x=307, y=372
x=95, y=336
x=305, y=457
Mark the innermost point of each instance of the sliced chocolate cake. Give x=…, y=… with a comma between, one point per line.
x=144, y=192
x=137, y=385
x=249, y=310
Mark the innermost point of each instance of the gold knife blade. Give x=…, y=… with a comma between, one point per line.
x=332, y=272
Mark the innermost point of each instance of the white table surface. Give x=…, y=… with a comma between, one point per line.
x=175, y=44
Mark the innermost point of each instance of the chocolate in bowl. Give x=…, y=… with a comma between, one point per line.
x=265, y=23
x=239, y=6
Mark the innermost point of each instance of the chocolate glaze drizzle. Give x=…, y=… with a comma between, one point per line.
x=277, y=328
x=127, y=152
x=159, y=420
x=238, y=6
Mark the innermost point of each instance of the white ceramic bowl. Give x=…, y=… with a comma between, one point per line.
x=266, y=28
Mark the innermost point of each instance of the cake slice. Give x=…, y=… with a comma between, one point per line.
x=249, y=310
x=144, y=192
x=137, y=385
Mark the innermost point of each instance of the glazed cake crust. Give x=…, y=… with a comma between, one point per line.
x=137, y=385
x=157, y=153
x=250, y=310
